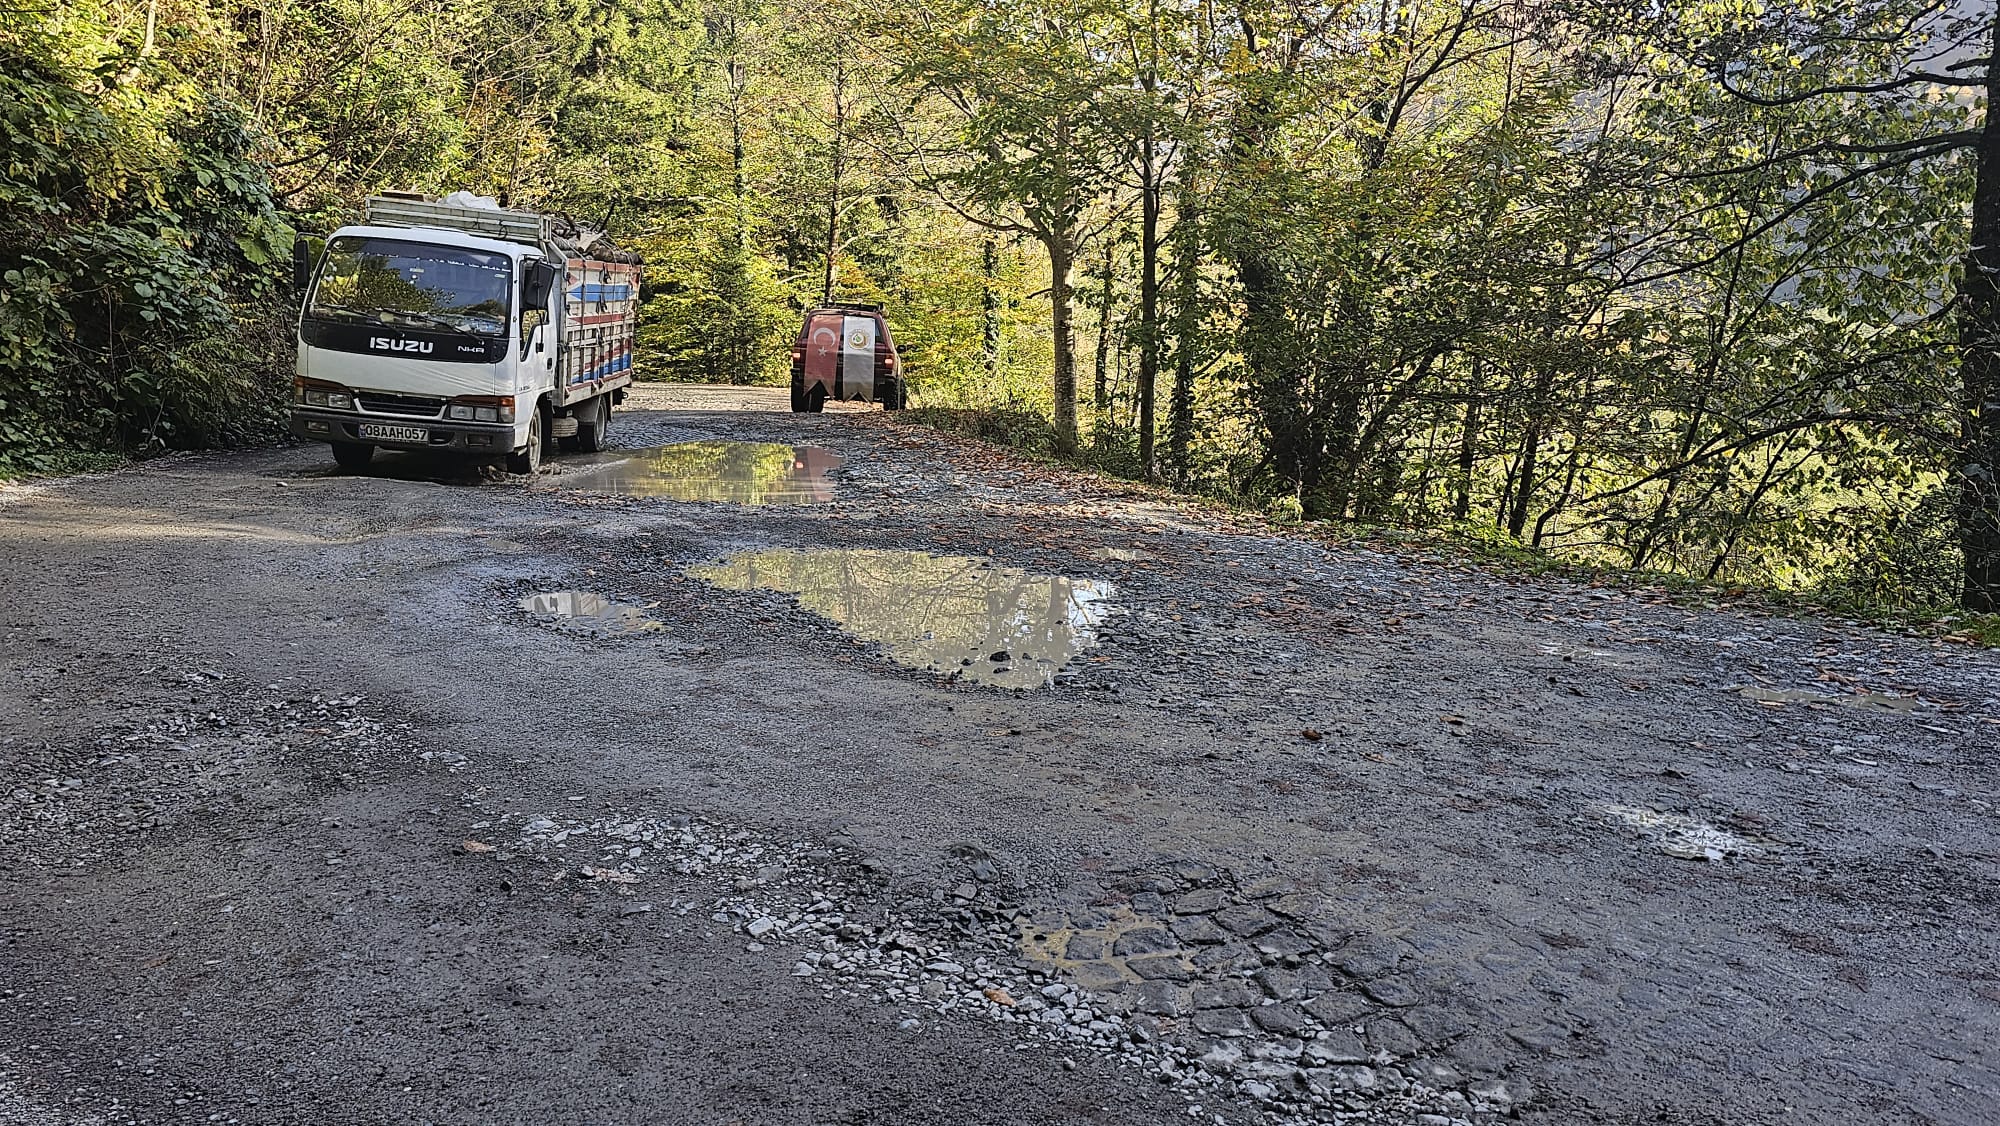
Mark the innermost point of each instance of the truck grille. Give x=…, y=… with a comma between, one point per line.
x=414, y=406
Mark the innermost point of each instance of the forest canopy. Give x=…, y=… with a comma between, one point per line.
x=1706, y=288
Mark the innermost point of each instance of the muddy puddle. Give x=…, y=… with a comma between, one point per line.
x=587, y=612
x=950, y=614
x=1681, y=836
x=1860, y=701
x=727, y=472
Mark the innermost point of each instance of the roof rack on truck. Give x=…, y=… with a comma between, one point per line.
x=408, y=209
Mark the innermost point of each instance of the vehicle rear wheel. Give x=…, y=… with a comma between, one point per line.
x=815, y=400
x=590, y=430
x=798, y=388
x=893, y=398
x=353, y=456
x=529, y=461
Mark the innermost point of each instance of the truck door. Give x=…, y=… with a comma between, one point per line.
x=540, y=333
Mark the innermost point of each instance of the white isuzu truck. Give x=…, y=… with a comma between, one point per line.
x=458, y=326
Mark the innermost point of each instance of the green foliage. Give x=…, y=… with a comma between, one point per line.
x=727, y=327
x=1913, y=566
x=1556, y=290
x=133, y=226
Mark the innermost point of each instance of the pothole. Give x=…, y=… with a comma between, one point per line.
x=964, y=617
x=726, y=472
x=1860, y=701
x=1679, y=835
x=587, y=612
x=813, y=907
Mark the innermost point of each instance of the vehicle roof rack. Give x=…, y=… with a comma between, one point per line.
x=412, y=209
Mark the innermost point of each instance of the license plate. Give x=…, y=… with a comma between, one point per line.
x=383, y=433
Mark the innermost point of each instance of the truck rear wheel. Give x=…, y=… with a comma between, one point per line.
x=529, y=460
x=893, y=398
x=815, y=400
x=798, y=388
x=590, y=430
x=353, y=456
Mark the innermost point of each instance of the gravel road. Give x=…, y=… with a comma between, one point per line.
x=426, y=796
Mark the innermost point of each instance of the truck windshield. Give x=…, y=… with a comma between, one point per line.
x=414, y=285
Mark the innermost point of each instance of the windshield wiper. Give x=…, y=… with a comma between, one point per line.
x=427, y=318
x=349, y=311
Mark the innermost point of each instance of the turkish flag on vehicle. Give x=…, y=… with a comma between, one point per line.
x=823, y=351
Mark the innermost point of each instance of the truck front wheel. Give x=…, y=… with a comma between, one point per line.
x=353, y=456
x=528, y=461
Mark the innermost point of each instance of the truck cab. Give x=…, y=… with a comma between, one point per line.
x=844, y=352
x=462, y=329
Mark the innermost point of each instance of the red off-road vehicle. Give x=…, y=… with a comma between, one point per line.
x=844, y=352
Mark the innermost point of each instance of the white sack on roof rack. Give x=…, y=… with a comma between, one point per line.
x=467, y=199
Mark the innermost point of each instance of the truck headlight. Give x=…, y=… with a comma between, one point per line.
x=315, y=397
x=340, y=400
x=482, y=408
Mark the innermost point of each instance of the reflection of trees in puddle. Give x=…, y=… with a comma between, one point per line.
x=729, y=472
x=996, y=625
x=589, y=612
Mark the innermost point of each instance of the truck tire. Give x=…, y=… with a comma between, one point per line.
x=353, y=457
x=893, y=398
x=799, y=388
x=815, y=400
x=529, y=460
x=590, y=431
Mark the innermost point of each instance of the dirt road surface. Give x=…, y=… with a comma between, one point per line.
x=422, y=797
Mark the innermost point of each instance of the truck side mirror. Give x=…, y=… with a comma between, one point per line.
x=539, y=281
x=305, y=254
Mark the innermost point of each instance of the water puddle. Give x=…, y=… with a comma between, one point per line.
x=1681, y=836
x=951, y=614
x=586, y=612
x=1860, y=701
x=728, y=472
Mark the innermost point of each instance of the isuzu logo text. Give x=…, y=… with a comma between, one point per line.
x=385, y=344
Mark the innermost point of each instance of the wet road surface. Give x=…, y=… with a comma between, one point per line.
x=823, y=769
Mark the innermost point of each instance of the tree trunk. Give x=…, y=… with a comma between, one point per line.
x=989, y=308
x=1062, y=259
x=1100, y=399
x=1468, y=441
x=1187, y=321
x=833, y=192
x=1149, y=298
x=1979, y=366
x=737, y=77
x=1517, y=517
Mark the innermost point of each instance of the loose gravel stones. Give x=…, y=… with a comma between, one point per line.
x=1111, y=981
x=207, y=744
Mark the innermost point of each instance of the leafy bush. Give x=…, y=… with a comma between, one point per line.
x=140, y=253
x=1915, y=567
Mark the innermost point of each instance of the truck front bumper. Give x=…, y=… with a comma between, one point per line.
x=476, y=438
